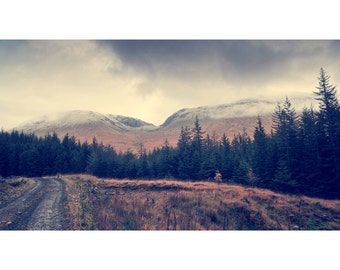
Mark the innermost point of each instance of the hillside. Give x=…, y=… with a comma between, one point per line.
x=111, y=204
x=240, y=109
x=111, y=129
x=125, y=133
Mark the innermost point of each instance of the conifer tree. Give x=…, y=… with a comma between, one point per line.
x=226, y=161
x=241, y=151
x=309, y=154
x=197, y=145
x=184, y=154
x=143, y=166
x=285, y=127
x=210, y=156
x=328, y=123
x=4, y=154
x=260, y=147
x=167, y=160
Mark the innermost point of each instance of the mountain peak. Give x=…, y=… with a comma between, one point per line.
x=123, y=132
x=77, y=118
x=130, y=121
x=242, y=108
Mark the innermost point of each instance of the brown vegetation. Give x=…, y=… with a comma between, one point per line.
x=176, y=205
x=123, y=141
x=12, y=188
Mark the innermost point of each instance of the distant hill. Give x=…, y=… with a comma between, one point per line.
x=84, y=125
x=125, y=133
x=241, y=109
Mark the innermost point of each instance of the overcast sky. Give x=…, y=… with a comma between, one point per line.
x=151, y=79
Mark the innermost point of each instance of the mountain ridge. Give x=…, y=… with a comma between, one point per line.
x=127, y=133
x=244, y=108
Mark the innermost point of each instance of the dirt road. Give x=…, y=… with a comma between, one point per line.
x=40, y=208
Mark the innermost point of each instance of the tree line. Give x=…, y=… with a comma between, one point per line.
x=301, y=155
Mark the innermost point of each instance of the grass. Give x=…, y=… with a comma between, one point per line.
x=12, y=188
x=79, y=202
x=110, y=204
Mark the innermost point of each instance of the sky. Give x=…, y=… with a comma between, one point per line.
x=151, y=79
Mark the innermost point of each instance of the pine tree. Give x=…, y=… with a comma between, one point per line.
x=226, y=159
x=285, y=127
x=210, y=156
x=260, y=146
x=143, y=170
x=14, y=153
x=197, y=145
x=96, y=163
x=283, y=179
x=309, y=154
x=185, y=170
x=242, y=154
x=130, y=165
x=31, y=163
x=167, y=161
x=4, y=154
x=272, y=159
x=197, y=140
x=329, y=134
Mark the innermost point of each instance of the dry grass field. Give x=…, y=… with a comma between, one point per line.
x=13, y=188
x=97, y=204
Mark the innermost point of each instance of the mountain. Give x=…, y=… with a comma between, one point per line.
x=84, y=125
x=125, y=133
x=78, y=118
x=230, y=119
x=243, y=108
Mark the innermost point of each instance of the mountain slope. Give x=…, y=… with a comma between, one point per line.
x=243, y=108
x=125, y=133
x=77, y=118
x=230, y=119
x=84, y=125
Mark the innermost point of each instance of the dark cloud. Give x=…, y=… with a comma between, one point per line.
x=228, y=58
x=134, y=51
x=153, y=78
x=172, y=58
x=188, y=68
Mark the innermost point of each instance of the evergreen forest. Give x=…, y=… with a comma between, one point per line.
x=301, y=155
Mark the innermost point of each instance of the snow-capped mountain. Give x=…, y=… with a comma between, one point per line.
x=111, y=129
x=78, y=118
x=240, y=109
x=125, y=133
x=243, y=108
x=129, y=122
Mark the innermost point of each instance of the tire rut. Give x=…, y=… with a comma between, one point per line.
x=40, y=208
x=49, y=214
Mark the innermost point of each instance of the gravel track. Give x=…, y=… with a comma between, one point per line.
x=40, y=208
